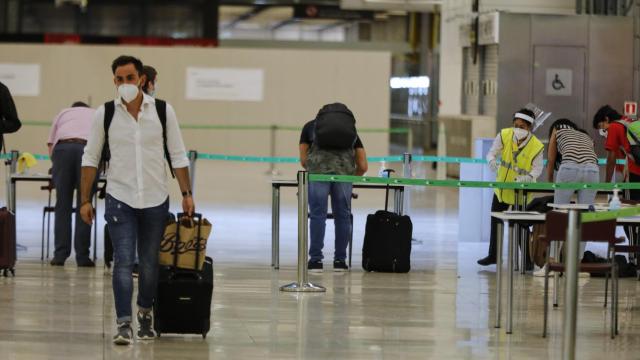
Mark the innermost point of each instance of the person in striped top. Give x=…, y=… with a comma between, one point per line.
x=572, y=157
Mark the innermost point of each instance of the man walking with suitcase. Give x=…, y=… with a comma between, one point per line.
x=136, y=134
x=330, y=145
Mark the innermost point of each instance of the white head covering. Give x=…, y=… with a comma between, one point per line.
x=524, y=117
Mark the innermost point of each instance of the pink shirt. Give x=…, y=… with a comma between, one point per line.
x=71, y=123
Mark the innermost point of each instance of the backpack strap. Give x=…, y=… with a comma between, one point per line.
x=109, y=110
x=629, y=132
x=161, y=108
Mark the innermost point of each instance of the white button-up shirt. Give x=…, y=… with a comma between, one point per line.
x=137, y=172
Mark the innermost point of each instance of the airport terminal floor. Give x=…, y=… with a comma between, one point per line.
x=443, y=308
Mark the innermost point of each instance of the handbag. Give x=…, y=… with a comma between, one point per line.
x=184, y=242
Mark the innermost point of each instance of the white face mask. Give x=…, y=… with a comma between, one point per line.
x=602, y=132
x=128, y=92
x=520, y=134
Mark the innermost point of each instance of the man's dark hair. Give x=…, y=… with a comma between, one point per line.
x=603, y=113
x=150, y=73
x=79, y=104
x=126, y=59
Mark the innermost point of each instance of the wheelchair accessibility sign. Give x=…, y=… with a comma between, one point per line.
x=559, y=82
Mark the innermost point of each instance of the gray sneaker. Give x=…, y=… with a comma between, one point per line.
x=124, y=335
x=145, y=326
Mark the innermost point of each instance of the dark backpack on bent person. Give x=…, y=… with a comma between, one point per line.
x=335, y=127
x=109, y=111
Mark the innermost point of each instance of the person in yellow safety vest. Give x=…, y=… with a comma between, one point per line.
x=521, y=160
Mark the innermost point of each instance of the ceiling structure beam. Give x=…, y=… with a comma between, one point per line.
x=283, y=23
x=246, y=16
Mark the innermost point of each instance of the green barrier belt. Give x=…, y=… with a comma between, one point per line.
x=265, y=159
x=609, y=215
x=461, y=160
x=473, y=184
x=248, y=127
x=271, y=159
x=224, y=127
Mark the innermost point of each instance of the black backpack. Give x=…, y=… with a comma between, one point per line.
x=335, y=127
x=9, y=121
x=109, y=110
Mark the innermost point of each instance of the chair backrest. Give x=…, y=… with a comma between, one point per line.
x=599, y=231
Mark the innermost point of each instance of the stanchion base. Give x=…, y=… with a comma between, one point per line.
x=308, y=287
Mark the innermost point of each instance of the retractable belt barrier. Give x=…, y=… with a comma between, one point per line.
x=292, y=159
x=585, y=217
x=401, y=130
x=474, y=184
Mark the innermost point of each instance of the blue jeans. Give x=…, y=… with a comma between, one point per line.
x=125, y=225
x=340, y=207
x=582, y=173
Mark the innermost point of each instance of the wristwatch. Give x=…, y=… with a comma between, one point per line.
x=187, y=193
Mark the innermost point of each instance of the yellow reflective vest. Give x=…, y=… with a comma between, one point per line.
x=515, y=162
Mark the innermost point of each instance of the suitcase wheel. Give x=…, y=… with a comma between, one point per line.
x=5, y=272
x=204, y=335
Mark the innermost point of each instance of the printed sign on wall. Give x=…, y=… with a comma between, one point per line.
x=21, y=79
x=559, y=82
x=224, y=84
x=630, y=108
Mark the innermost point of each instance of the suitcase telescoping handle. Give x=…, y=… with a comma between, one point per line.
x=386, y=191
x=197, y=220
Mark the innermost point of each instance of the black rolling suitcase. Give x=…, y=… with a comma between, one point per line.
x=183, y=301
x=387, y=241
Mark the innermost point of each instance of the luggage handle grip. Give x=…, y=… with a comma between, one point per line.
x=386, y=191
x=198, y=223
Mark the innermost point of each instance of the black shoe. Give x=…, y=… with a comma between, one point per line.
x=314, y=266
x=340, y=266
x=86, y=263
x=145, y=326
x=135, y=270
x=487, y=261
x=56, y=262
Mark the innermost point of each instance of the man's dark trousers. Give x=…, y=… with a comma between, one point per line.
x=67, y=160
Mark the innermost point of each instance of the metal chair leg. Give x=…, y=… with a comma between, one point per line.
x=612, y=311
x=606, y=279
x=44, y=213
x=546, y=301
x=615, y=296
x=350, y=240
x=606, y=288
x=556, y=285
x=48, y=231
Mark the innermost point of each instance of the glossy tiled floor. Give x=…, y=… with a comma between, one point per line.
x=442, y=309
